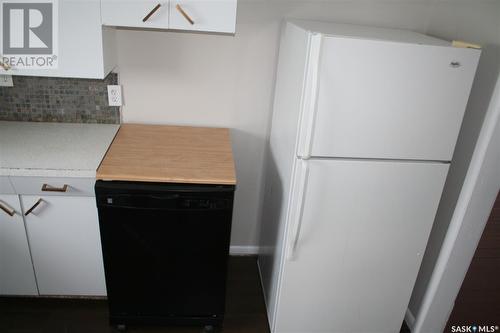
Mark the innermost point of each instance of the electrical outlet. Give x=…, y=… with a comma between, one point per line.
x=115, y=95
x=6, y=81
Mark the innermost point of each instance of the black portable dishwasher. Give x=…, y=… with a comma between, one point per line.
x=165, y=249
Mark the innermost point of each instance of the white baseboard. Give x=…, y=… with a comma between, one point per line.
x=244, y=250
x=409, y=319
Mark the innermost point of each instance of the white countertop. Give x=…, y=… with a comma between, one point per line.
x=53, y=149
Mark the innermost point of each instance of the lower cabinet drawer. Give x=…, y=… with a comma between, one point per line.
x=5, y=186
x=54, y=186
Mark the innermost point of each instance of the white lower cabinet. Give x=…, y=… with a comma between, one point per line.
x=63, y=233
x=16, y=270
x=49, y=238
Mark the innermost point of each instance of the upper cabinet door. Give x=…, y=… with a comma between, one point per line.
x=203, y=15
x=79, y=46
x=378, y=99
x=135, y=13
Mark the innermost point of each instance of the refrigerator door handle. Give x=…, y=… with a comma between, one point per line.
x=298, y=208
x=310, y=96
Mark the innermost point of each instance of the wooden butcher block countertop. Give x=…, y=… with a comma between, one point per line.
x=175, y=154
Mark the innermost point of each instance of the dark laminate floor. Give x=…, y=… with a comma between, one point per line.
x=478, y=300
x=245, y=310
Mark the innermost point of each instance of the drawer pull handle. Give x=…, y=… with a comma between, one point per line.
x=151, y=13
x=33, y=207
x=186, y=16
x=7, y=209
x=5, y=65
x=48, y=188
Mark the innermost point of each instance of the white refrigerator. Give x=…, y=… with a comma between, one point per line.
x=364, y=128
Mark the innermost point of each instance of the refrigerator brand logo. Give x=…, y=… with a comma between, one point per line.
x=29, y=34
x=475, y=328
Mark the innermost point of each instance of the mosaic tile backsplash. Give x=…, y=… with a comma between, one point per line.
x=48, y=99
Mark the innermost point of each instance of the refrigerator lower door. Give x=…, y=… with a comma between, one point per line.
x=357, y=240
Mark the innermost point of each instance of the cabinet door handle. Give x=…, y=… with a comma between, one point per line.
x=33, y=207
x=299, y=208
x=5, y=65
x=151, y=13
x=186, y=16
x=7, y=209
x=48, y=188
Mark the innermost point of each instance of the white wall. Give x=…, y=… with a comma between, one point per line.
x=211, y=80
x=477, y=196
x=478, y=22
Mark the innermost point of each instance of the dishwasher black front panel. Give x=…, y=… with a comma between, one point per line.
x=165, y=249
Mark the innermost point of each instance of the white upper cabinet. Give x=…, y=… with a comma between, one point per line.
x=83, y=41
x=84, y=49
x=203, y=15
x=135, y=13
x=192, y=15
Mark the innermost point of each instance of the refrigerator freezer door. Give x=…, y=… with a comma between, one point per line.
x=379, y=99
x=364, y=229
